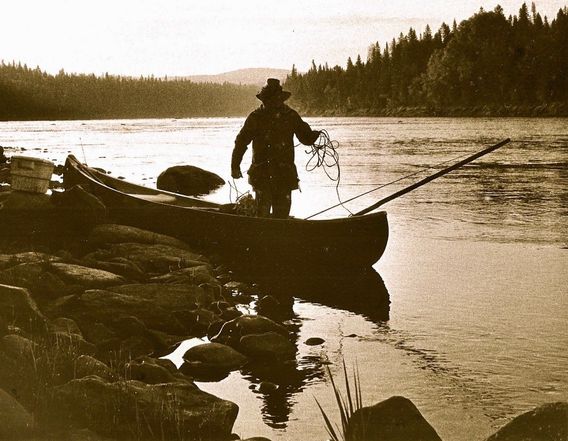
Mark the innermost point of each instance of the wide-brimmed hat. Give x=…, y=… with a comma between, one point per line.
x=273, y=89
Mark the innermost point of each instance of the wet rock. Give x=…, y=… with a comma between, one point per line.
x=155, y=259
x=18, y=308
x=189, y=180
x=233, y=330
x=213, y=357
x=9, y=260
x=314, y=341
x=267, y=387
x=101, y=306
x=394, y=419
x=267, y=346
x=546, y=422
x=86, y=365
x=115, y=409
x=112, y=233
x=89, y=278
x=238, y=288
x=270, y=307
x=15, y=422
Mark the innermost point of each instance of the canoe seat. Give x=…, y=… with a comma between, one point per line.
x=160, y=198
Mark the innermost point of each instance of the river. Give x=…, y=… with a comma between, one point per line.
x=476, y=265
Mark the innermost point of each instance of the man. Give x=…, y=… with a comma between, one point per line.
x=271, y=128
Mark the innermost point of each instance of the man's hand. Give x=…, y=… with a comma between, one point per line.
x=236, y=173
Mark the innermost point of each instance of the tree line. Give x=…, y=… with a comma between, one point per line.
x=488, y=64
x=31, y=94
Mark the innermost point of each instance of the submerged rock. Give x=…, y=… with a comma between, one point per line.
x=546, y=422
x=189, y=180
x=269, y=346
x=116, y=409
x=394, y=419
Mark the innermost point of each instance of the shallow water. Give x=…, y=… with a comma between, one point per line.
x=475, y=266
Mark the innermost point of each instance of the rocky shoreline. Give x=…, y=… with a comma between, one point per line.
x=88, y=310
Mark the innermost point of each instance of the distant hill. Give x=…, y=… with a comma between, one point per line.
x=253, y=76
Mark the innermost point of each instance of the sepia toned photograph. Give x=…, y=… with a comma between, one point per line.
x=267, y=220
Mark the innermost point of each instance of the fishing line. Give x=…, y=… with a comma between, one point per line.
x=387, y=184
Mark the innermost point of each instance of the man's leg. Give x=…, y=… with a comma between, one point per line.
x=263, y=202
x=281, y=203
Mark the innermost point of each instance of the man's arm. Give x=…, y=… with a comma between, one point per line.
x=303, y=131
x=242, y=140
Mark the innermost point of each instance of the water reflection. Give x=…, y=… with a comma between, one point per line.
x=276, y=383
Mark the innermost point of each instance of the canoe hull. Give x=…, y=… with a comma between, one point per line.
x=357, y=241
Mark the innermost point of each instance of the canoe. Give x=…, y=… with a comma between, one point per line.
x=351, y=242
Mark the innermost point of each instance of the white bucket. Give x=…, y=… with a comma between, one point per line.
x=30, y=174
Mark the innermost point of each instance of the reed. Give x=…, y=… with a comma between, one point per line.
x=347, y=404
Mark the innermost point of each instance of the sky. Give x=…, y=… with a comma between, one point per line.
x=192, y=37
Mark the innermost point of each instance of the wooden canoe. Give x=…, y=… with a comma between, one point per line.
x=352, y=242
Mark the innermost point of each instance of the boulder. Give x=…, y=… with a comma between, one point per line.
x=189, y=180
x=112, y=233
x=314, y=341
x=150, y=371
x=171, y=297
x=85, y=365
x=117, y=265
x=85, y=277
x=9, y=260
x=267, y=346
x=116, y=409
x=43, y=284
x=105, y=307
x=232, y=331
x=395, y=419
x=17, y=307
x=546, y=422
x=156, y=259
x=15, y=422
x=213, y=357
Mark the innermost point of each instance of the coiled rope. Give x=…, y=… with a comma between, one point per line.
x=324, y=154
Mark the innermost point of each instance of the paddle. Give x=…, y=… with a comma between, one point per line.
x=432, y=177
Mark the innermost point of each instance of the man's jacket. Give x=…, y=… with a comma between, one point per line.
x=272, y=131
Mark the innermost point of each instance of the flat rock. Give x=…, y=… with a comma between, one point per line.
x=546, y=422
x=84, y=276
x=43, y=284
x=115, y=409
x=394, y=419
x=15, y=421
x=171, y=297
x=113, y=233
x=156, y=259
x=9, y=260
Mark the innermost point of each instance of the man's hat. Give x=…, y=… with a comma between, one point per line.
x=273, y=89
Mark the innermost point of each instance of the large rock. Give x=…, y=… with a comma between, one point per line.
x=193, y=275
x=17, y=368
x=548, y=422
x=233, y=330
x=395, y=419
x=9, y=260
x=43, y=284
x=156, y=259
x=154, y=371
x=189, y=180
x=15, y=422
x=267, y=346
x=122, y=266
x=105, y=307
x=113, y=233
x=85, y=366
x=171, y=297
x=86, y=277
x=17, y=307
x=213, y=357
x=117, y=409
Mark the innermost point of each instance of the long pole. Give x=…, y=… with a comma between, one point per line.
x=432, y=177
